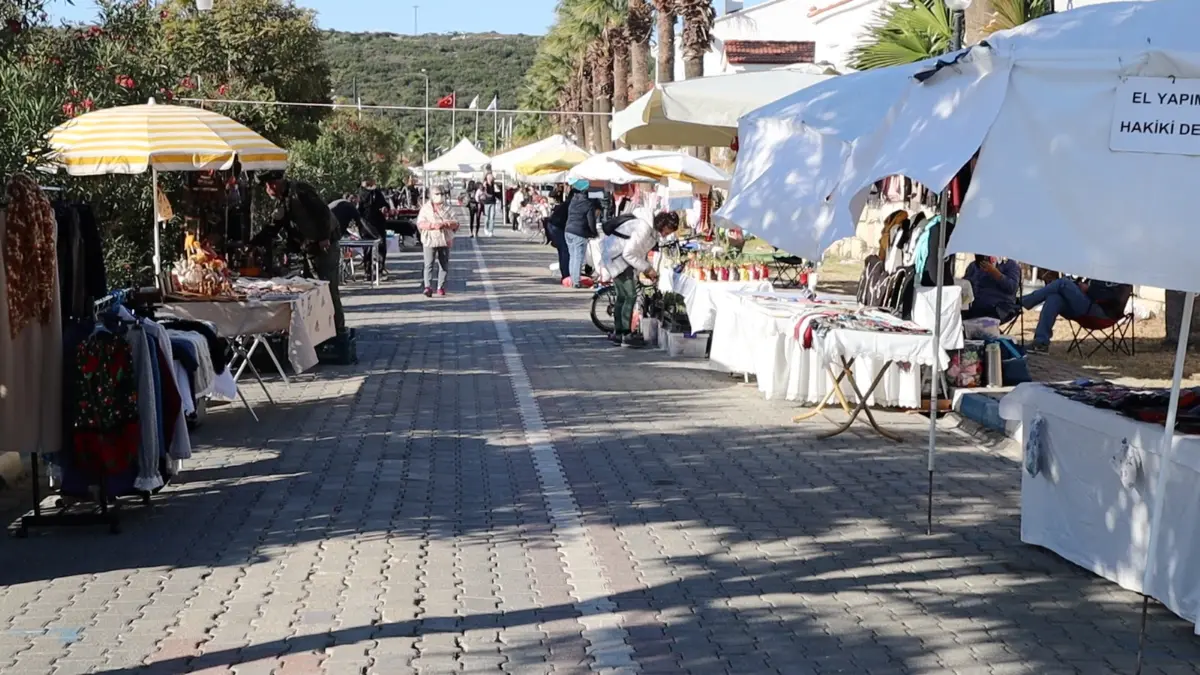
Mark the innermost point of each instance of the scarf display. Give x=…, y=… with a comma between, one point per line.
x=30, y=255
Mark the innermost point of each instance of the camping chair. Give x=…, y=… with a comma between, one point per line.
x=1112, y=334
x=1017, y=320
x=787, y=270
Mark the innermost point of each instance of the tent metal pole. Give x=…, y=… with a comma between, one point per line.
x=157, y=235
x=1165, y=460
x=934, y=399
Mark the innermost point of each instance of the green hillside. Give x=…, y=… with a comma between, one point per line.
x=387, y=70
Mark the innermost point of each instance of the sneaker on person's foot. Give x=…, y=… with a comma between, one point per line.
x=1038, y=348
x=442, y=292
x=633, y=341
x=614, y=338
x=429, y=292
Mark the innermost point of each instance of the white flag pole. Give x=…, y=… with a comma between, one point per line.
x=453, y=112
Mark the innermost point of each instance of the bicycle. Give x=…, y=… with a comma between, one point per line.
x=604, y=298
x=604, y=303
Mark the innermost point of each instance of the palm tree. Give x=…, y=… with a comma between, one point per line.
x=698, y=16
x=618, y=37
x=583, y=80
x=600, y=57
x=640, y=23
x=666, y=39
x=919, y=29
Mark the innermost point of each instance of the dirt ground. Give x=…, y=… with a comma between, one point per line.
x=1151, y=366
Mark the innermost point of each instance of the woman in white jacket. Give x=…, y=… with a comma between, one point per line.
x=627, y=254
x=437, y=226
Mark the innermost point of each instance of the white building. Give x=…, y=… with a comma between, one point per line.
x=782, y=32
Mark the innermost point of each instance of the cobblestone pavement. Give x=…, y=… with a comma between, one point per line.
x=495, y=489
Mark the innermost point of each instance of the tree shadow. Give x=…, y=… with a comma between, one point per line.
x=729, y=538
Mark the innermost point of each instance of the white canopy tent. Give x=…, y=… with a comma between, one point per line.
x=704, y=111
x=462, y=158
x=1086, y=124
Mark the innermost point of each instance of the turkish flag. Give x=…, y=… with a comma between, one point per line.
x=446, y=101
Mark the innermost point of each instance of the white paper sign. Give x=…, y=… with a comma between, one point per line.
x=1157, y=115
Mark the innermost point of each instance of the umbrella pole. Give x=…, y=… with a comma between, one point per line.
x=157, y=236
x=934, y=402
x=1165, y=459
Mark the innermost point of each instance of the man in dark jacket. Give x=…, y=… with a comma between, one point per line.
x=581, y=227
x=372, y=206
x=303, y=213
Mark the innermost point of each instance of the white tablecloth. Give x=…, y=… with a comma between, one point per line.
x=1078, y=507
x=701, y=296
x=757, y=338
x=307, y=319
x=924, y=313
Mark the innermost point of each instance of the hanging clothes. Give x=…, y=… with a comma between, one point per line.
x=106, y=417
x=148, y=415
x=30, y=323
x=172, y=393
x=81, y=276
x=895, y=220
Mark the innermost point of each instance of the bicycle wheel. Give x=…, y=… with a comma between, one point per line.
x=604, y=304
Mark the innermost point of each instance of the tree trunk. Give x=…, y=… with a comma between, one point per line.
x=620, y=71
x=639, y=69
x=666, y=42
x=640, y=26
x=693, y=67
x=585, y=105
x=1173, y=317
x=603, y=105
x=978, y=16
x=620, y=76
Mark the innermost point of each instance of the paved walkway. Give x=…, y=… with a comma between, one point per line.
x=495, y=489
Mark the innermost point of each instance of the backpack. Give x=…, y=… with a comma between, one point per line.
x=872, y=285
x=610, y=226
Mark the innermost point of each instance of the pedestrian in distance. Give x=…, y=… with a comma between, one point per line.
x=437, y=226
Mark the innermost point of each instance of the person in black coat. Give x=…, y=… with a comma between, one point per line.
x=582, y=215
x=372, y=206
x=556, y=232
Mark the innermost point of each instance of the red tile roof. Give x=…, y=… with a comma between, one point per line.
x=745, y=52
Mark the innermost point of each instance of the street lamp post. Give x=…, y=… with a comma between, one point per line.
x=958, y=21
x=425, y=74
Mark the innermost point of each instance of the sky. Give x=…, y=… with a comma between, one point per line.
x=531, y=17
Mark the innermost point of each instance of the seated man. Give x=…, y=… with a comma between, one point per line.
x=1072, y=299
x=995, y=285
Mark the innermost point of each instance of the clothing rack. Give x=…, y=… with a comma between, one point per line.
x=106, y=512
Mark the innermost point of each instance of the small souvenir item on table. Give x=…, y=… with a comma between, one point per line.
x=201, y=271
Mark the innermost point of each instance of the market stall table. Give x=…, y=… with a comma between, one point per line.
x=700, y=296
x=1078, y=505
x=756, y=333
x=306, y=317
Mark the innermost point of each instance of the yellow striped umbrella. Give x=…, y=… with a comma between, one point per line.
x=132, y=139
x=551, y=161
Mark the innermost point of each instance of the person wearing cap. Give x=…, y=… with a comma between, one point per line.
x=437, y=225
x=491, y=201
x=303, y=214
x=580, y=228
